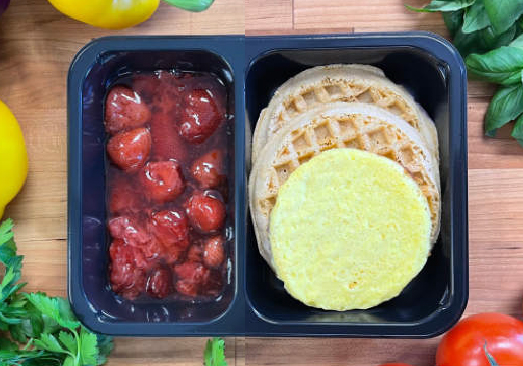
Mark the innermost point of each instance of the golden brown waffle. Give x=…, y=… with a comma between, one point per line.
x=332, y=126
x=349, y=83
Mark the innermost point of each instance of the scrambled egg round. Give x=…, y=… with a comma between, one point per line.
x=350, y=229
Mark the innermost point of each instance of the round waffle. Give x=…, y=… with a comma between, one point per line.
x=349, y=83
x=338, y=125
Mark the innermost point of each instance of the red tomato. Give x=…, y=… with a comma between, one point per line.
x=213, y=252
x=463, y=344
x=129, y=150
x=159, y=283
x=208, y=169
x=124, y=109
x=206, y=213
x=162, y=180
x=201, y=116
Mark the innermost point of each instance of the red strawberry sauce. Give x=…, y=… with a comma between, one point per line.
x=159, y=247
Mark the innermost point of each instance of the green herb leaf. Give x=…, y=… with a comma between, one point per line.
x=56, y=308
x=518, y=42
x=7, y=244
x=502, y=65
x=214, y=353
x=7, y=345
x=503, y=13
x=489, y=40
x=88, y=349
x=506, y=105
x=453, y=20
x=69, y=361
x=517, y=131
x=48, y=342
x=443, y=5
x=475, y=18
x=105, y=347
x=68, y=341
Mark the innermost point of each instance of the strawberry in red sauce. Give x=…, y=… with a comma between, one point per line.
x=167, y=143
x=130, y=149
x=130, y=230
x=213, y=252
x=124, y=196
x=208, y=169
x=206, y=213
x=200, y=117
x=195, y=253
x=162, y=180
x=124, y=109
x=191, y=277
x=159, y=283
x=167, y=185
x=126, y=272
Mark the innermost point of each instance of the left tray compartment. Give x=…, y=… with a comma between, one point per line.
x=92, y=72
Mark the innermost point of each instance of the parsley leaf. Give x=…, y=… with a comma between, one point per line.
x=46, y=329
x=88, y=349
x=214, y=353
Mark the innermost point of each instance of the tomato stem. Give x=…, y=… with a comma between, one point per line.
x=490, y=358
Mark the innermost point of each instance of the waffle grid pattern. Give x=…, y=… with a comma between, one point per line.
x=342, y=90
x=347, y=131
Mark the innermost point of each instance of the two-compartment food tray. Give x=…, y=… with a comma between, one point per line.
x=254, y=302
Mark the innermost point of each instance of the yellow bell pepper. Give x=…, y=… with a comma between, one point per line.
x=13, y=157
x=112, y=14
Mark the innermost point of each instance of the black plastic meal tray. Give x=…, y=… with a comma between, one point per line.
x=254, y=302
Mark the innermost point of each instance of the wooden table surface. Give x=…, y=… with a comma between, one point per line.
x=36, y=46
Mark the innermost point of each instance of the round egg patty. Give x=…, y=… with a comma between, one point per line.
x=350, y=229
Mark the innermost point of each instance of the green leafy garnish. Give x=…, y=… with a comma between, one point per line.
x=36, y=329
x=489, y=35
x=214, y=353
x=444, y=5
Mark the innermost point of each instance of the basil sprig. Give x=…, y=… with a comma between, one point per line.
x=489, y=35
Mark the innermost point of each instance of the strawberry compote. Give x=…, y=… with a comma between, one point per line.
x=167, y=184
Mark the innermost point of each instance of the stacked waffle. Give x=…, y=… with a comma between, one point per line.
x=348, y=107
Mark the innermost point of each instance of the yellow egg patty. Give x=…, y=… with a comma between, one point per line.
x=350, y=229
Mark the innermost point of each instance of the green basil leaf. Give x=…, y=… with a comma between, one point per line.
x=443, y=5
x=518, y=42
x=517, y=131
x=502, y=65
x=476, y=18
x=489, y=40
x=468, y=43
x=7, y=345
x=503, y=13
x=453, y=21
x=506, y=105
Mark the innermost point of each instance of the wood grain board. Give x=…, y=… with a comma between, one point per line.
x=36, y=47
